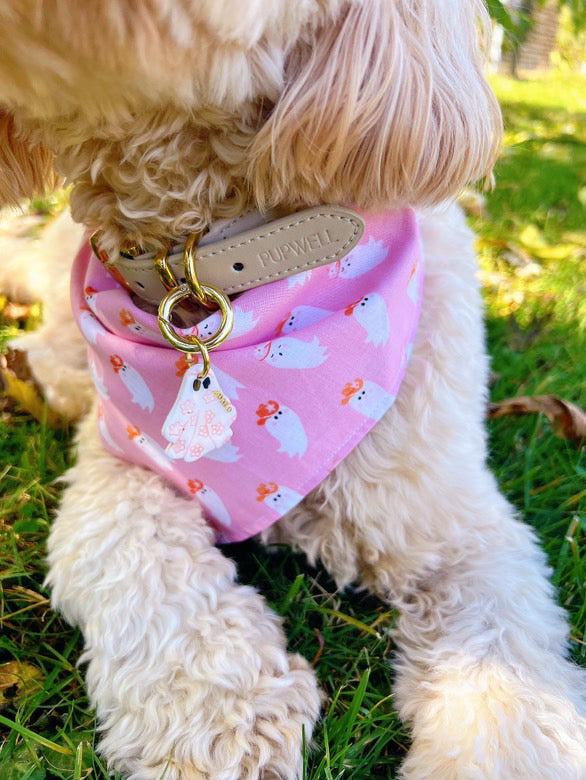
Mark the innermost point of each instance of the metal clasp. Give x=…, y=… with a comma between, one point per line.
x=208, y=297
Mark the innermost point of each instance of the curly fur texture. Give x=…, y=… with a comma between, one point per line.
x=161, y=131
x=196, y=110
x=183, y=664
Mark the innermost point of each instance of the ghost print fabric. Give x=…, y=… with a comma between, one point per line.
x=312, y=363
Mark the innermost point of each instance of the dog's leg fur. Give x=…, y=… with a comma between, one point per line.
x=56, y=351
x=184, y=666
x=414, y=515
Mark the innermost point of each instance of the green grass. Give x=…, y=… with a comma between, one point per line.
x=532, y=250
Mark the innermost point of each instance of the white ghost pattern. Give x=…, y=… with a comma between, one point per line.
x=229, y=385
x=367, y=398
x=134, y=383
x=288, y=352
x=127, y=319
x=97, y=378
x=227, y=453
x=361, y=260
x=105, y=433
x=90, y=326
x=277, y=497
x=244, y=322
x=284, y=425
x=199, y=420
x=89, y=294
x=210, y=501
x=150, y=448
x=371, y=312
x=298, y=280
x=413, y=284
x=301, y=317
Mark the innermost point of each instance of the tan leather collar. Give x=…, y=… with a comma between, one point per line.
x=262, y=253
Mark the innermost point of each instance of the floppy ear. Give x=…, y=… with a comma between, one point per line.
x=26, y=168
x=386, y=105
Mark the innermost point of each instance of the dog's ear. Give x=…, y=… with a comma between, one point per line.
x=385, y=105
x=26, y=167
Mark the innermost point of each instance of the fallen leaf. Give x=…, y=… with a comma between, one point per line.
x=17, y=382
x=16, y=361
x=532, y=238
x=567, y=419
x=16, y=311
x=17, y=681
x=557, y=252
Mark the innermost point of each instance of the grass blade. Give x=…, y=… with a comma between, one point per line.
x=349, y=619
x=28, y=734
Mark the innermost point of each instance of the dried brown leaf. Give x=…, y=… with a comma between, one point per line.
x=17, y=382
x=17, y=681
x=17, y=363
x=567, y=419
x=16, y=311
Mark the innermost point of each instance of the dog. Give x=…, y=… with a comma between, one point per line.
x=168, y=117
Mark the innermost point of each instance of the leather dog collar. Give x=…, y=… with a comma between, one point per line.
x=265, y=252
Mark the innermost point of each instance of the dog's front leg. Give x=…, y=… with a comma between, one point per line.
x=188, y=672
x=414, y=514
x=483, y=678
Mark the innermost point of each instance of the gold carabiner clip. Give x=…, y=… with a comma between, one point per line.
x=189, y=260
x=205, y=295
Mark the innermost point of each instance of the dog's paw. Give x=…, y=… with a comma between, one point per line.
x=200, y=731
x=498, y=726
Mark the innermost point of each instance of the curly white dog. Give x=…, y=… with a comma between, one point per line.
x=167, y=116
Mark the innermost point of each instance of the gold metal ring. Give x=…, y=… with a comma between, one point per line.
x=205, y=369
x=191, y=343
x=189, y=261
x=164, y=270
x=206, y=296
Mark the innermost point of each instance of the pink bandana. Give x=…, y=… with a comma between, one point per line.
x=312, y=363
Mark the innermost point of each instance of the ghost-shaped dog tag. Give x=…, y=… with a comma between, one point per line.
x=200, y=420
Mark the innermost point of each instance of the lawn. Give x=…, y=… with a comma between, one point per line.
x=532, y=247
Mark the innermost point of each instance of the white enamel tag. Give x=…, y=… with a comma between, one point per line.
x=200, y=420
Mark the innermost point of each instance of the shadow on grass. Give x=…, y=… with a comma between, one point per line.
x=540, y=174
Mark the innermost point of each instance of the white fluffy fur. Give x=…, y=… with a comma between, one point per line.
x=38, y=270
x=184, y=663
x=190, y=114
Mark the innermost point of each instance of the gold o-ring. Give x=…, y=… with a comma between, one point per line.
x=192, y=344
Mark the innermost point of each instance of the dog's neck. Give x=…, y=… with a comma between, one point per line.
x=154, y=178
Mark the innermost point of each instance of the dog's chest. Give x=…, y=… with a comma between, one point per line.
x=312, y=363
